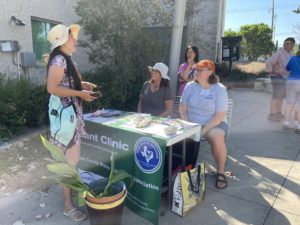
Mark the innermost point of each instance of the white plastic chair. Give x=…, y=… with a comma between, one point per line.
x=229, y=116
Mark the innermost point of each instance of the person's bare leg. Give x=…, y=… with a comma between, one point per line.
x=273, y=106
x=280, y=107
x=289, y=114
x=73, y=156
x=216, y=139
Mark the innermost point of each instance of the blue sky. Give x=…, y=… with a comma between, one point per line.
x=242, y=12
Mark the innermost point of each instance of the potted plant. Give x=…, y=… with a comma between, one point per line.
x=104, y=198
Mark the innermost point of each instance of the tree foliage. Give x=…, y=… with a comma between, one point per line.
x=230, y=33
x=118, y=43
x=257, y=40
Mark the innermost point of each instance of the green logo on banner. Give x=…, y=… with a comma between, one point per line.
x=147, y=155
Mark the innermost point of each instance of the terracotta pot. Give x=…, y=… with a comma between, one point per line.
x=106, y=210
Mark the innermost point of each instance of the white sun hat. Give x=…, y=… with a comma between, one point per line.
x=59, y=34
x=163, y=69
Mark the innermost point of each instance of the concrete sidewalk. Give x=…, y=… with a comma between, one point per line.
x=264, y=188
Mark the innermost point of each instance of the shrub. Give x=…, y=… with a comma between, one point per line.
x=237, y=75
x=23, y=104
x=117, y=93
x=119, y=42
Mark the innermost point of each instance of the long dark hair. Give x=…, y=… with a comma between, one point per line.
x=163, y=83
x=71, y=70
x=195, y=50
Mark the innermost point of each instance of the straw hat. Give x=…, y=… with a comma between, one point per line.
x=59, y=34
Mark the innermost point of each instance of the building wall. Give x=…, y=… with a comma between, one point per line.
x=206, y=26
x=60, y=11
x=204, y=20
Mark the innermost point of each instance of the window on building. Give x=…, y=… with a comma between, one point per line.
x=41, y=45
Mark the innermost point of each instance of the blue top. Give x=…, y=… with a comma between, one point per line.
x=204, y=103
x=294, y=66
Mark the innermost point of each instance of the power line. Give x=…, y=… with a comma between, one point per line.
x=273, y=20
x=278, y=7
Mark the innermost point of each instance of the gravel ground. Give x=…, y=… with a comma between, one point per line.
x=23, y=164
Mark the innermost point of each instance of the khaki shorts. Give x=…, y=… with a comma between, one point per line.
x=278, y=85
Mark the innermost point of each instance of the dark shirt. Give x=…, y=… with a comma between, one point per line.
x=154, y=102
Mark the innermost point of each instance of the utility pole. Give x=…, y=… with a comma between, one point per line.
x=273, y=18
x=178, y=22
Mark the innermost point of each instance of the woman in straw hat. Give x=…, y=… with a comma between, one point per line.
x=205, y=101
x=64, y=81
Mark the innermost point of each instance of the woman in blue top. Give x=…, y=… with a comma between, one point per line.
x=292, y=91
x=205, y=101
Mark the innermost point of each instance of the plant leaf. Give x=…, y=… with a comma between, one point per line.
x=120, y=176
x=62, y=169
x=112, y=166
x=73, y=183
x=55, y=152
x=79, y=198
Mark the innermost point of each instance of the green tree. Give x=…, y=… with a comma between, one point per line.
x=121, y=46
x=231, y=33
x=257, y=40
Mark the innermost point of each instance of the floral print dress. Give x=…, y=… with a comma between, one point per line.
x=66, y=82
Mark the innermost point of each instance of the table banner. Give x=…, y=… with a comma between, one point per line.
x=139, y=154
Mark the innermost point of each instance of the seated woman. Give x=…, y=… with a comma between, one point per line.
x=156, y=96
x=204, y=101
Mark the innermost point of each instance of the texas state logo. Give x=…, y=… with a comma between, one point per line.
x=147, y=155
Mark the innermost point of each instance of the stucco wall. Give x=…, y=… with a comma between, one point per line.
x=61, y=11
x=206, y=26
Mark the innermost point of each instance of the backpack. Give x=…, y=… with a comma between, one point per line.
x=62, y=120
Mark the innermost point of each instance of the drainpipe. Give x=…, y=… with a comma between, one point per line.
x=178, y=22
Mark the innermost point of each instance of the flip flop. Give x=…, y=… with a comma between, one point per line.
x=221, y=179
x=75, y=215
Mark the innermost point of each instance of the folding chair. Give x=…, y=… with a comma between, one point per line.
x=176, y=105
x=229, y=116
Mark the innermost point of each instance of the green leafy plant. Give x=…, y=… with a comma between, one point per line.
x=122, y=39
x=23, y=106
x=67, y=175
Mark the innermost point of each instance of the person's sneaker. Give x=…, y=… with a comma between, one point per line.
x=285, y=125
x=279, y=116
x=272, y=117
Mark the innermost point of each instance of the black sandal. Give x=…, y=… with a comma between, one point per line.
x=297, y=131
x=221, y=179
